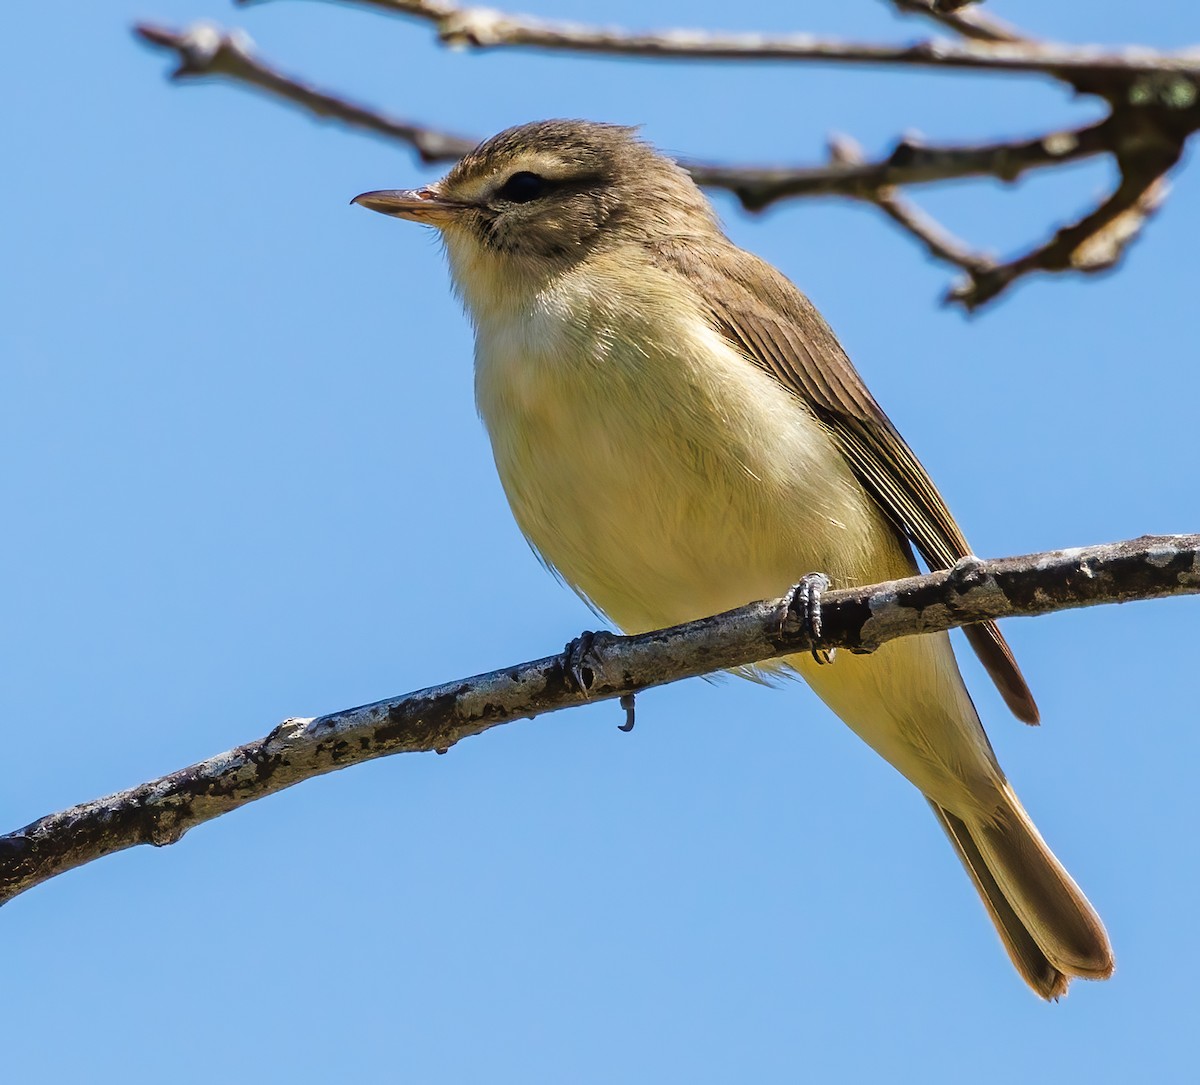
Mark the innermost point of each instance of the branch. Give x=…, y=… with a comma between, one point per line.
x=204, y=49
x=485, y=28
x=910, y=163
x=1153, y=116
x=859, y=619
x=1098, y=240
x=1094, y=243
x=936, y=239
x=962, y=20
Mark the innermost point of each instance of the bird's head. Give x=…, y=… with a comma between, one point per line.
x=537, y=199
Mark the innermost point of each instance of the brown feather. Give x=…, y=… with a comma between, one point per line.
x=778, y=329
x=1024, y=952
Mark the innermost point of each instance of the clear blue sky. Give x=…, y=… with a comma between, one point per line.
x=244, y=480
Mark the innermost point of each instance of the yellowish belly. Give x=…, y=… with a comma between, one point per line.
x=667, y=487
x=678, y=480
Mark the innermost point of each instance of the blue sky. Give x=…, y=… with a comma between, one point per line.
x=245, y=481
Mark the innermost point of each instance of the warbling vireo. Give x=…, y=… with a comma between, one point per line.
x=679, y=432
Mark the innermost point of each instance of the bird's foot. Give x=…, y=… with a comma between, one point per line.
x=804, y=601
x=585, y=657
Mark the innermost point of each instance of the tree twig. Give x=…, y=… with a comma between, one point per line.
x=964, y=20
x=207, y=50
x=1094, y=243
x=486, y=28
x=911, y=162
x=1155, y=110
x=937, y=240
x=859, y=619
x=1097, y=241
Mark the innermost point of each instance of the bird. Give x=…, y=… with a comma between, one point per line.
x=678, y=432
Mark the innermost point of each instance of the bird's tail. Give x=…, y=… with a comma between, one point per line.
x=1050, y=931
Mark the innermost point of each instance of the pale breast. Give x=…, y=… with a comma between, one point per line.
x=661, y=474
x=666, y=478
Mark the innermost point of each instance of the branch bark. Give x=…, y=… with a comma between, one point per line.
x=911, y=162
x=207, y=50
x=1097, y=241
x=858, y=619
x=937, y=240
x=962, y=20
x=486, y=28
x=1155, y=102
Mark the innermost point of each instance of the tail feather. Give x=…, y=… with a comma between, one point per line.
x=1049, y=930
x=1027, y=957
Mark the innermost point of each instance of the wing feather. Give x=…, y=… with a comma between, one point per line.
x=778, y=329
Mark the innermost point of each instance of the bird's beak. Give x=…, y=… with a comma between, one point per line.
x=416, y=204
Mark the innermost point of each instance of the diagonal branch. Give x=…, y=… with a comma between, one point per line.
x=936, y=239
x=962, y=20
x=859, y=619
x=1094, y=243
x=205, y=50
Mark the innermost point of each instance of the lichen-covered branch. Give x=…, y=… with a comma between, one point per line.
x=859, y=619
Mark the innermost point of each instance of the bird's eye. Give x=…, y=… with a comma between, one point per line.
x=522, y=187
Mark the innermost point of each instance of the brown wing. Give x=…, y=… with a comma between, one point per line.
x=779, y=329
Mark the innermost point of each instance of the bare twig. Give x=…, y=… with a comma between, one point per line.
x=860, y=619
x=486, y=28
x=1155, y=101
x=206, y=50
x=1097, y=241
x=1094, y=243
x=910, y=163
x=965, y=21
x=937, y=240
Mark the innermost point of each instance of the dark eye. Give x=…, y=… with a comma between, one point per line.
x=523, y=187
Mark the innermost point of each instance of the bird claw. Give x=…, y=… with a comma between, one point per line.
x=585, y=657
x=627, y=703
x=804, y=600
